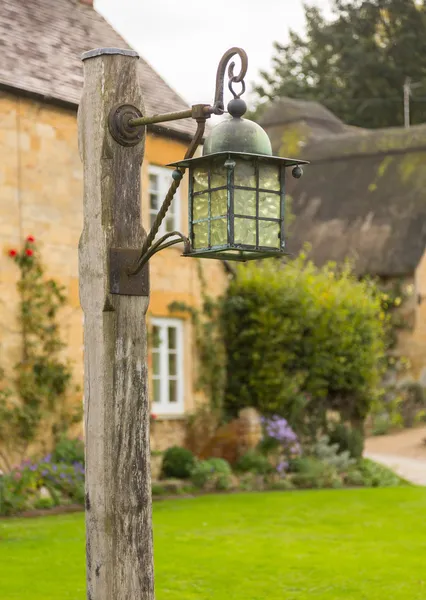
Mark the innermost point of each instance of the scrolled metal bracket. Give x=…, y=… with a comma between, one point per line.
x=218, y=106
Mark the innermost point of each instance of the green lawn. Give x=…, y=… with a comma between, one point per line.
x=334, y=545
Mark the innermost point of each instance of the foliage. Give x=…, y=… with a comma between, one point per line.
x=68, y=451
x=178, y=462
x=208, y=342
x=312, y=472
x=347, y=439
x=302, y=341
x=42, y=377
x=330, y=454
x=212, y=474
x=254, y=462
x=357, y=62
x=20, y=489
x=372, y=474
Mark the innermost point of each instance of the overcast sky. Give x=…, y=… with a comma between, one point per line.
x=184, y=39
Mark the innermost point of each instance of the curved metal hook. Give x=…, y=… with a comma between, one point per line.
x=218, y=106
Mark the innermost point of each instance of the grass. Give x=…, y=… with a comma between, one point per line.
x=366, y=544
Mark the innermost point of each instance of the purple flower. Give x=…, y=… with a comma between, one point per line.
x=62, y=476
x=33, y=468
x=47, y=458
x=44, y=472
x=282, y=467
x=55, y=468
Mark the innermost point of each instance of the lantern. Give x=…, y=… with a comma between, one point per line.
x=237, y=192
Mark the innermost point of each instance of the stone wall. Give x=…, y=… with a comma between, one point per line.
x=41, y=184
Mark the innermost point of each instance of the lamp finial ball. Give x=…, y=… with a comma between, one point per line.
x=237, y=107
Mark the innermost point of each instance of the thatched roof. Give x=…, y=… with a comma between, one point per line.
x=364, y=197
x=41, y=45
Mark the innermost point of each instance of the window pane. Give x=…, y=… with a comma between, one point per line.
x=153, y=181
x=200, y=207
x=153, y=201
x=156, y=390
x=173, y=390
x=219, y=233
x=172, y=338
x=245, y=202
x=172, y=364
x=269, y=177
x=200, y=179
x=269, y=205
x=268, y=234
x=245, y=231
x=156, y=337
x=156, y=363
x=244, y=173
x=201, y=235
x=219, y=174
x=219, y=203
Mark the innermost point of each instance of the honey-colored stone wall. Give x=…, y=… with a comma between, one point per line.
x=41, y=183
x=412, y=342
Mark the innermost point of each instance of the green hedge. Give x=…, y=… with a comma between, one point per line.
x=301, y=341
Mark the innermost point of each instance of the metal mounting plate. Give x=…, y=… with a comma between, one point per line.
x=120, y=260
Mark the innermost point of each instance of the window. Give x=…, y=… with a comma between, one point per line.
x=160, y=180
x=167, y=366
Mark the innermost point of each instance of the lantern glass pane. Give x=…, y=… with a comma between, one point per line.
x=269, y=205
x=219, y=232
x=269, y=177
x=245, y=202
x=244, y=173
x=219, y=174
x=268, y=234
x=219, y=203
x=245, y=231
x=200, y=208
x=200, y=179
x=201, y=235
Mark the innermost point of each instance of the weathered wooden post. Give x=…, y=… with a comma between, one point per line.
x=118, y=481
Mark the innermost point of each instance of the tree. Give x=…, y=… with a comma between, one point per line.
x=357, y=63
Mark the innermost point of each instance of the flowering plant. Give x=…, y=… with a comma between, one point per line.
x=280, y=439
x=42, y=377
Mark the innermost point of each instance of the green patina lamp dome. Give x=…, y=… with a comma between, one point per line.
x=237, y=192
x=235, y=134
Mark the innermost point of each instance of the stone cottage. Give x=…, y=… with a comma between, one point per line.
x=364, y=198
x=41, y=175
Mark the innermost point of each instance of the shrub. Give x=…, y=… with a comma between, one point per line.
x=301, y=341
x=178, y=462
x=376, y=475
x=68, y=451
x=212, y=474
x=329, y=454
x=313, y=473
x=347, y=439
x=254, y=462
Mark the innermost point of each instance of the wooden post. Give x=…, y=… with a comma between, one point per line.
x=118, y=480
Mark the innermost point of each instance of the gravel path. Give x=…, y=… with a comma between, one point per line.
x=411, y=469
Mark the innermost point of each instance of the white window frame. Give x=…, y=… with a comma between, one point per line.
x=165, y=407
x=172, y=218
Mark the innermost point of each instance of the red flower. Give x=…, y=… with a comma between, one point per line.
x=12, y=253
x=29, y=252
x=30, y=239
x=153, y=417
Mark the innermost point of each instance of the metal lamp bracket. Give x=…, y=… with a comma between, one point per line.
x=121, y=262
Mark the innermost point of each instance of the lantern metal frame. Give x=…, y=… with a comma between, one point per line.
x=128, y=267
x=234, y=250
